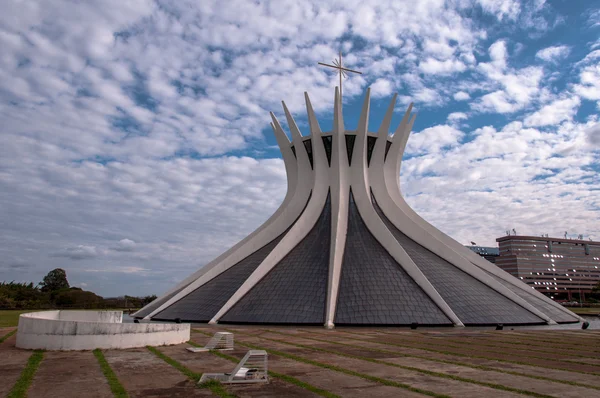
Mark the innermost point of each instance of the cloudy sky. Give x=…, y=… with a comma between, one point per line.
x=135, y=144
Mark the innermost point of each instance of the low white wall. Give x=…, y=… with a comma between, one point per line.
x=88, y=330
x=91, y=316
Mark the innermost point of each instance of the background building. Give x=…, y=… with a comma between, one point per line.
x=489, y=253
x=561, y=268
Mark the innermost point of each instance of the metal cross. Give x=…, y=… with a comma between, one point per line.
x=341, y=70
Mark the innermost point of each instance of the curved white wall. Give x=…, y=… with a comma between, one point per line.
x=88, y=330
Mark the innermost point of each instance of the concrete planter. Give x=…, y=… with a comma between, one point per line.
x=88, y=330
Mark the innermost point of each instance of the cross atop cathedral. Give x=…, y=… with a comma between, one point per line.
x=337, y=64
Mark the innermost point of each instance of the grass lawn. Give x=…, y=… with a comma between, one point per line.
x=585, y=310
x=11, y=317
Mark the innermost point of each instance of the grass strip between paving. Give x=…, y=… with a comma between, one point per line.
x=286, y=378
x=546, y=344
x=6, y=336
x=213, y=385
x=113, y=381
x=527, y=340
x=339, y=369
x=487, y=350
x=418, y=370
x=497, y=343
x=468, y=355
x=445, y=361
x=22, y=385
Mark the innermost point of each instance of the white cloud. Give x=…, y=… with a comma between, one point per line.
x=457, y=116
x=594, y=18
x=524, y=173
x=554, y=113
x=498, y=101
x=141, y=119
x=461, y=96
x=553, y=54
x=381, y=88
x=125, y=245
x=509, y=9
x=79, y=252
x=514, y=88
x=589, y=83
x=434, y=139
x=435, y=67
x=590, y=58
x=498, y=54
x=121, y=270
x=593, y=135
x=427, y=95
x=439, y=49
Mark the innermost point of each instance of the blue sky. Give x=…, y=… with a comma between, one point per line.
x=135, y=134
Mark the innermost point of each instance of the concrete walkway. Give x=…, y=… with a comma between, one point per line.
x=347, y=362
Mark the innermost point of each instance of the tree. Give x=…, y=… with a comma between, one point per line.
x=77, y=298
x=55, y=280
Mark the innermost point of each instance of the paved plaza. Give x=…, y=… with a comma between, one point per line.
x=346, y=362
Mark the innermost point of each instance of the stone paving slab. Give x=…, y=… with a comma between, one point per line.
x=335, y=382
x=539, y=386
x=508, y=355
x=580, y=337
x=523, y=383
x=496, y=344
x=525, y=369
x=275, y=389
x=414, y=379
x=557, y=345
x=69, y=374
x=143, y=374
x=12, y=363
x=6, y=330
x=205, y=362
x=448, y=343
x=591, y=361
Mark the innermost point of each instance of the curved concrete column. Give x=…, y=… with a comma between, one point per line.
x=359, y=183
x=398, y=217
x=445, y=243
x=339, y=189
x=291, y=208
x=308, y=189
x=319, y=176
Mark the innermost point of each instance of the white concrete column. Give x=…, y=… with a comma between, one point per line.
x=339, y=208
x=359, y=182
x=410, y=223
x=319, y=175
x=291, y=208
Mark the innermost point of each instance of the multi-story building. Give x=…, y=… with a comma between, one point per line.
x=560, y=268
x=489, y=253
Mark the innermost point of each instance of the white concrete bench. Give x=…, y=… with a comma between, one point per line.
x=222, y=341
x=251, y=369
